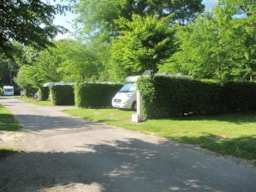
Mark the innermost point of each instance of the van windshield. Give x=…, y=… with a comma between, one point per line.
x=128, y=87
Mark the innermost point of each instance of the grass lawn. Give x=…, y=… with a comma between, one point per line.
x=34, y=101
x=229, y=134
x=7, y=123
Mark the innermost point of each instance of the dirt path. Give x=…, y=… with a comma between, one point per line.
x=60, y=153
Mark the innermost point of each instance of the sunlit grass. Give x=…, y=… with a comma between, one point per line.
x=34, y=101
x=7, y=120
x=7, y=123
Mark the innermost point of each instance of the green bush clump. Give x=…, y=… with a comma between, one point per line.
x=62, y=94
x=95, y=95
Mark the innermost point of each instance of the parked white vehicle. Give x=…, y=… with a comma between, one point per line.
x=125, y=98
x=8, y=90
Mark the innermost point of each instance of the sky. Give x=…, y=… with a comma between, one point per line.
x=67, y=20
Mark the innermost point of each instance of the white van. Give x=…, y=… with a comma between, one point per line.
x=8, y=90
x=125, y=98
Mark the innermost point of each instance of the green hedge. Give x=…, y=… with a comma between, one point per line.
x=43, y=93
x=95, y=95
x=62, y=94
x=165, y=97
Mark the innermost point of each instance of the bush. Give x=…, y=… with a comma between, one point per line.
x=43, y=93
x=165, y=97
x=62, y=94
x=95, y=95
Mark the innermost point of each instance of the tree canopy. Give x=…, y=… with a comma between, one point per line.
x=220, y=44
x=101, y=15
x=143, y=44
x=29, y=22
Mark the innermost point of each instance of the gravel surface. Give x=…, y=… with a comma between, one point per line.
x=61, y=153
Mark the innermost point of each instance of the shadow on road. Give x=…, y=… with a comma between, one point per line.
x=131, y=165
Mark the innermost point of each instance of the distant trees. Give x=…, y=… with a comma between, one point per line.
x=69, y=60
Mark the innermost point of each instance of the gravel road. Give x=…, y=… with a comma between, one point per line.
x=61, y=153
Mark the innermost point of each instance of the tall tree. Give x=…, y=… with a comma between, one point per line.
x=143, y=44
x=78, y=62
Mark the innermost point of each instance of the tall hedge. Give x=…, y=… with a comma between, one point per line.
x=165, y=97
x=95, y=95
x=43, y=93
x=62, y=94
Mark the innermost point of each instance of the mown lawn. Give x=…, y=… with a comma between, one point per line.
x=7, y=123
x=229, y=134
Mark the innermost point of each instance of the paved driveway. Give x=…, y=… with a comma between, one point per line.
x=63, y=153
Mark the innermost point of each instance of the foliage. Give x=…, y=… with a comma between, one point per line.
x=95, y=95
x=28, y=22
x=219, y=45
x=69, y=60
x=166, y=97
x=143, y=44
x=101, y=15
x=118, y=27
x=44, y=93
x=7, y=120
x=78, y=62
x=62, y=95
x=8, y=69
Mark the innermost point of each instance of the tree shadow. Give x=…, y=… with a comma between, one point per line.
x=8, y=123
x=41, y=122
x=126, y=165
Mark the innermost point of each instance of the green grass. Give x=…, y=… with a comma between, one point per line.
x=7, y=123
x=229, y=134
x=34, y=101
x=7, y=120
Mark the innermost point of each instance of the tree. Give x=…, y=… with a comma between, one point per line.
x=219, y=45
x=42, y=69
x=143, y=44
x=101, y=15
x=78, y=61
x=29, y=22
x=68, y=60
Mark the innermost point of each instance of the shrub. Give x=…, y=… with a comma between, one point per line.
x=62, y=94
x=95, y=95
x=43, y=93
x=165, y=97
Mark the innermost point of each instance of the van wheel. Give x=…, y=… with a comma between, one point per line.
x=134, y=106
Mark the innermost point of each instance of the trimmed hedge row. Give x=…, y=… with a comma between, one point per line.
x=62, y=94
x=165, y=97
x=95, y=95
x=43, y=93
